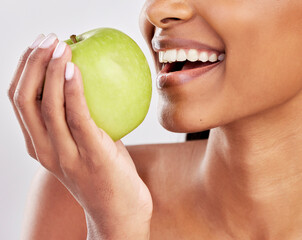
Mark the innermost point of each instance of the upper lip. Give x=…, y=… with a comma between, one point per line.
x=165, y=43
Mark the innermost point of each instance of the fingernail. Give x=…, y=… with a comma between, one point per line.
x=58, y=52
x=37, y=41
x=48, y=41
x=69, y=71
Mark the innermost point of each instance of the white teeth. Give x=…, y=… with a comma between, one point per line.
x=181, y=55
x=161, y=56
x=170, y=55
x=192, y=55
x=213, y=57
x=204, y=57
x=221, y=57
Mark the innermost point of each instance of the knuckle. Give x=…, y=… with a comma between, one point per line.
x=30, y=149
x=51, y=68
x=74, y=123
x=47, y=161
x=48, y=110
x=11, y=91
x=75, y=120
x=33, y=58
x=71, y=92
x=32, y=154
x=75, y=91
x=23, y=58
x=42, y=158
x=37, y=57
x=89, y=163
x=20, y=100
x=22, y=61
x=68, y=165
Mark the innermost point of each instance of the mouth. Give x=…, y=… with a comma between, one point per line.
x=179, y=66
x=183, y=66
x=173, y=60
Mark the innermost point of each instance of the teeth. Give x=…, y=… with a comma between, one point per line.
x=204, y=57
x=192, y=55
x=181, y=55
x=221, y=57
x=161, y=56
x=170, y=55
x=213, y=57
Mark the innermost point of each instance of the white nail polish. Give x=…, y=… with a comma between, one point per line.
x=69, y=71
x=58, y=52
x=37, y=41
x=48, y=41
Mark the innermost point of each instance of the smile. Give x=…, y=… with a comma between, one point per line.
x=192, y=55
x=179, y=66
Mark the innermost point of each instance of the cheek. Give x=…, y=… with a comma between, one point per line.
x=263, y=44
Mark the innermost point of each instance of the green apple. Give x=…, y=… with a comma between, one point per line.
x=116, y=77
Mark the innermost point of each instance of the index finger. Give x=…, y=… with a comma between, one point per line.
x=13, y=86
x=21, y=64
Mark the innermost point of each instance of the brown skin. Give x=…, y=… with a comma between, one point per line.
x=245, y=182
x=250, y=178
x=96, y=171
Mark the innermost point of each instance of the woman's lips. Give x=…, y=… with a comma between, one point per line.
x=166, y=78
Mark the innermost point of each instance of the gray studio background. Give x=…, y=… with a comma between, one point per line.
x=20, y=23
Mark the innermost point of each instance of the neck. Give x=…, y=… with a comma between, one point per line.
x=252, y=175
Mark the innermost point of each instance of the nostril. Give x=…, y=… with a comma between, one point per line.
x=167, y=20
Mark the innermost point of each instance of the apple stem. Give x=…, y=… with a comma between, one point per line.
x=73, y=38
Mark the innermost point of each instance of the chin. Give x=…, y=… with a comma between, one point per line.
x=189, y=115
x=181, y=119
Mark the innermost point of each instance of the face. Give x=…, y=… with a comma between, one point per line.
x=262, y=67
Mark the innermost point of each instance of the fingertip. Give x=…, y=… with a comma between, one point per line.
x=68, y=49
x=67, y=53
x=59, y=50
x=72, y=72
x=37, y=41
x=69, y=71
x=48, y=41
x=77, y=72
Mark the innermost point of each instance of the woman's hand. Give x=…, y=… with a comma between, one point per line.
x=48, y=99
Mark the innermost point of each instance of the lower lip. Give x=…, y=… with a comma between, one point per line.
x=170, y=79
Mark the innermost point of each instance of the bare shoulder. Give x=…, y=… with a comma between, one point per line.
x=154, y=159
x=51, y=211
x=150, y=155
x=167, y=171
x=146, y=154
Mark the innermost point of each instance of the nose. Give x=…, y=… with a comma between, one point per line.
x=165, y=13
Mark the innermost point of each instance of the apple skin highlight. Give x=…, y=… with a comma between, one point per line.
x=116, y=77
